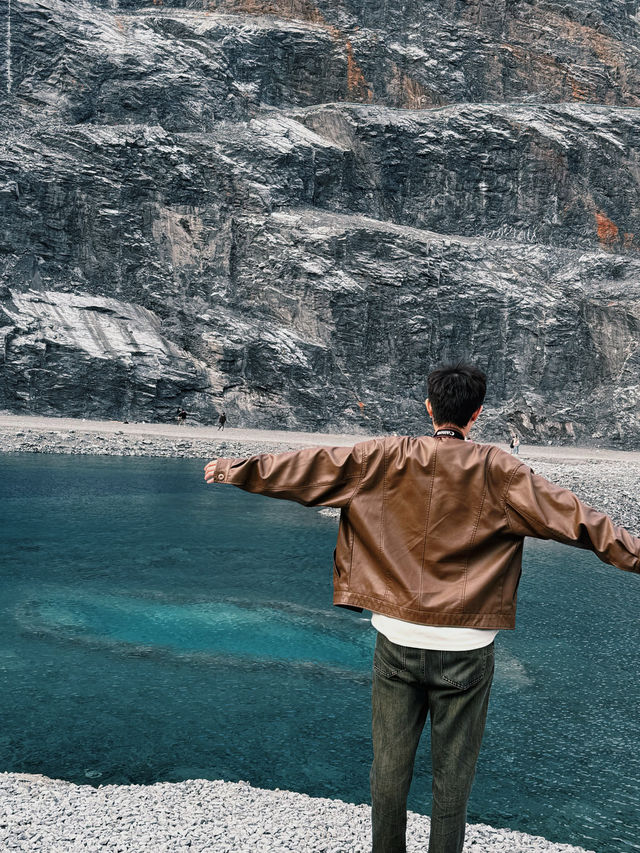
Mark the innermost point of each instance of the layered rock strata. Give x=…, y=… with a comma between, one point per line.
x=292, y=211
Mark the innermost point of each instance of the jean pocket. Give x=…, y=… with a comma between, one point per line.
x=463, y=669
x=389, y=659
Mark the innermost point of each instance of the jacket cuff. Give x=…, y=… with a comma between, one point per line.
x=221, y=471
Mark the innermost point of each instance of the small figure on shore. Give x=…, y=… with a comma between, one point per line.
x=514, y=444
x=222, y=421
x=182, y=416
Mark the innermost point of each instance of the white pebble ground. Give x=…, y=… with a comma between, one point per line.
x=43, y=815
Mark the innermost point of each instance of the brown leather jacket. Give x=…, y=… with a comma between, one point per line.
x=431, y=529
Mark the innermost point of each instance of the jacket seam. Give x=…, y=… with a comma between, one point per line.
x=506, y=492
x=306, y=486
x=553, y=534
x=473, y=536
x=360, y=476
x=503, y=574
x=426, y=521
x=428, y=610
x=352, y=537
x=387, y=587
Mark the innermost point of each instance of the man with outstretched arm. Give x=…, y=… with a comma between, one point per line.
x=430, y=541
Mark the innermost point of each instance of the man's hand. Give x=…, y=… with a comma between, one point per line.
x=210, y=470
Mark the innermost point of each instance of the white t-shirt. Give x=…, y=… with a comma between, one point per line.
x=437, y=637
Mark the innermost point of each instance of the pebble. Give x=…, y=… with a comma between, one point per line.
x=213, y=816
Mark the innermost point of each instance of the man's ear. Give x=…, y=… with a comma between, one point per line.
x=476, y=415
x=429, y=409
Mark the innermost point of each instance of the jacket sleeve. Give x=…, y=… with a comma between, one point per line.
x=326, y=476
x=536, y=507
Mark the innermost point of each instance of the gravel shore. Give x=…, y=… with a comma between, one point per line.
x=198, y=816
x=50, y=816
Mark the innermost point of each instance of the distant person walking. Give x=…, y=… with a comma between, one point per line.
x=514, y=444
x=222, y=421
x=182, y=416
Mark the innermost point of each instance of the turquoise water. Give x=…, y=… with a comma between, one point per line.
x=153, y=628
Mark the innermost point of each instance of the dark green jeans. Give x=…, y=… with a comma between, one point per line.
x=408, y=684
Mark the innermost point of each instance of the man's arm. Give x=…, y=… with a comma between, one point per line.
x=327, y=476
x=536, y=507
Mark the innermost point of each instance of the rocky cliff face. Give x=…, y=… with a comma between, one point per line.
x=293, y=210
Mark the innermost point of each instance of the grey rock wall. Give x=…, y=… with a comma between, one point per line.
x=293, y=211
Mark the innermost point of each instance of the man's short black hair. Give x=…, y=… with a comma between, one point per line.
x=455, y=392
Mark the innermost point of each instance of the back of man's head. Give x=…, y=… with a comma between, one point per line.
x=456, y=391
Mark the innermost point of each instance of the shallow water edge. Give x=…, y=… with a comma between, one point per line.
x=605, y=479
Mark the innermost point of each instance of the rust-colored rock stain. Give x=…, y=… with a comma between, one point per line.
x=535, y=42
x=302, y=10
x=408, y=93
x=357, y=86
x=607, y=230
x=578, y=92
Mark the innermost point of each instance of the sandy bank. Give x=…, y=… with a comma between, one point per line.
x=69, y=435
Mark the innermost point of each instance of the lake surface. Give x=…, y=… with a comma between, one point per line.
x=154, y=628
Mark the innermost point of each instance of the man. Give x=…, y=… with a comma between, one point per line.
x=430, y=540
x=222, y=421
